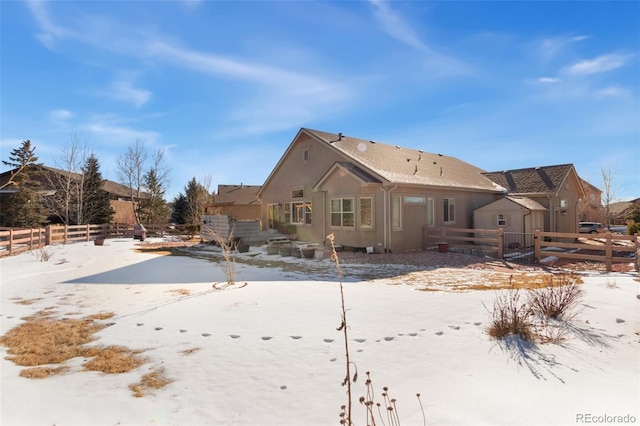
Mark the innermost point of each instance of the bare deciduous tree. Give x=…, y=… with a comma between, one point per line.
x=66, y=203
x=609, y=193
x=130, y=167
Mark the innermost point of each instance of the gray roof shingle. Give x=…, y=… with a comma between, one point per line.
x=533, y=180
x=408, y=166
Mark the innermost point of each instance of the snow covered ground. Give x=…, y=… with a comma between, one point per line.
x=266, y=350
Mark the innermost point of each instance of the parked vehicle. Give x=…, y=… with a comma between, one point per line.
x=590, y=227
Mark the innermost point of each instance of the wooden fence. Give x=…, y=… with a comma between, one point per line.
x=473, y=241
x=14, y=241
x=606, y=248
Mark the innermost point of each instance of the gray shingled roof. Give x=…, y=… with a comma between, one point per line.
x=533, y=180
x=237, y=194
x=527, y=203
x=408, y=166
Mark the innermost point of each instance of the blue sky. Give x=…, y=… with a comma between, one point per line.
x=224, y=86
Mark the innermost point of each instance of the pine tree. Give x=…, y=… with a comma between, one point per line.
x=179, y=214
x=96, y=208
x=153, y=208
x=23, y=208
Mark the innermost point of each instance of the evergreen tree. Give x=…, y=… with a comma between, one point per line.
x=96, y=208
x=179, y=214
x=197, y=196
x=153, y=208
x=23, y=208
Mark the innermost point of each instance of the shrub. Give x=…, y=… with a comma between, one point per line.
x=633, y=228
x=510, y=316
x=557, y=300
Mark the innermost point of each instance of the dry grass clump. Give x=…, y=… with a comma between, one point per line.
x=154, y=380
x=510, y=316
x=111, y=359
x=190, y=351
x=42, y=341
x=541, y=314
x=180, y=291
x=42, y=372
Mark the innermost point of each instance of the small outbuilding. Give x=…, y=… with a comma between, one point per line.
x=518, y=215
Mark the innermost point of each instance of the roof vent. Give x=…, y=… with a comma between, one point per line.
x=397, y=146
x=372, y=141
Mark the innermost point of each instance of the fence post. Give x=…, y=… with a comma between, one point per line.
x=48, y=237
x=608, y=253
x=536, y=245
x=66, y=234
x=10, y=241
x=88, y=232
x=637, y=243
x=30, y=238
x=500, y=243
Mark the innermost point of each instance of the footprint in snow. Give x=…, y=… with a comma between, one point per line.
x=388, y=339
x=439, y=333
x=296, y=337
x=267, y=337
x=205, y=334
x=477, y=323
x=182, y=330
x=413, y=334
x=333, y=359
x=158, y=328
x=620, y=320
x=327, y=340
x=454, y=327
x=140, y=324
x=235, y=336
x=361, y=340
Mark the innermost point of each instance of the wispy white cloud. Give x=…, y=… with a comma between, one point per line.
x=395, y=25
x=109, y=129
x=124, y=90
x=552, y=47
x=548, y=80
x=600, y=64
x=61, y=115
x=50, y=31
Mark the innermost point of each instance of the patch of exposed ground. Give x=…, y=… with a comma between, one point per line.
x=43, y=344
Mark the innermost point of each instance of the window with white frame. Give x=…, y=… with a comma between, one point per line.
x=449, y=212
x=563, y=203
x=430, y=211
x=298, y=212
x=366, y=212
x=342, y=213
x=396, y=213
x=308, y=212
x=502, y=220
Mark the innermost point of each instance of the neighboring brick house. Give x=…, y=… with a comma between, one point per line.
x=119, y=195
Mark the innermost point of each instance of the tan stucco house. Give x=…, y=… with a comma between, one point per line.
x=557, y=188
x=369, y=194
x=239, y=202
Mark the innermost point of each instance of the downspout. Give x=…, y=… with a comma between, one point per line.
x=575, y=216
x=387, y=216
x=552, y=215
